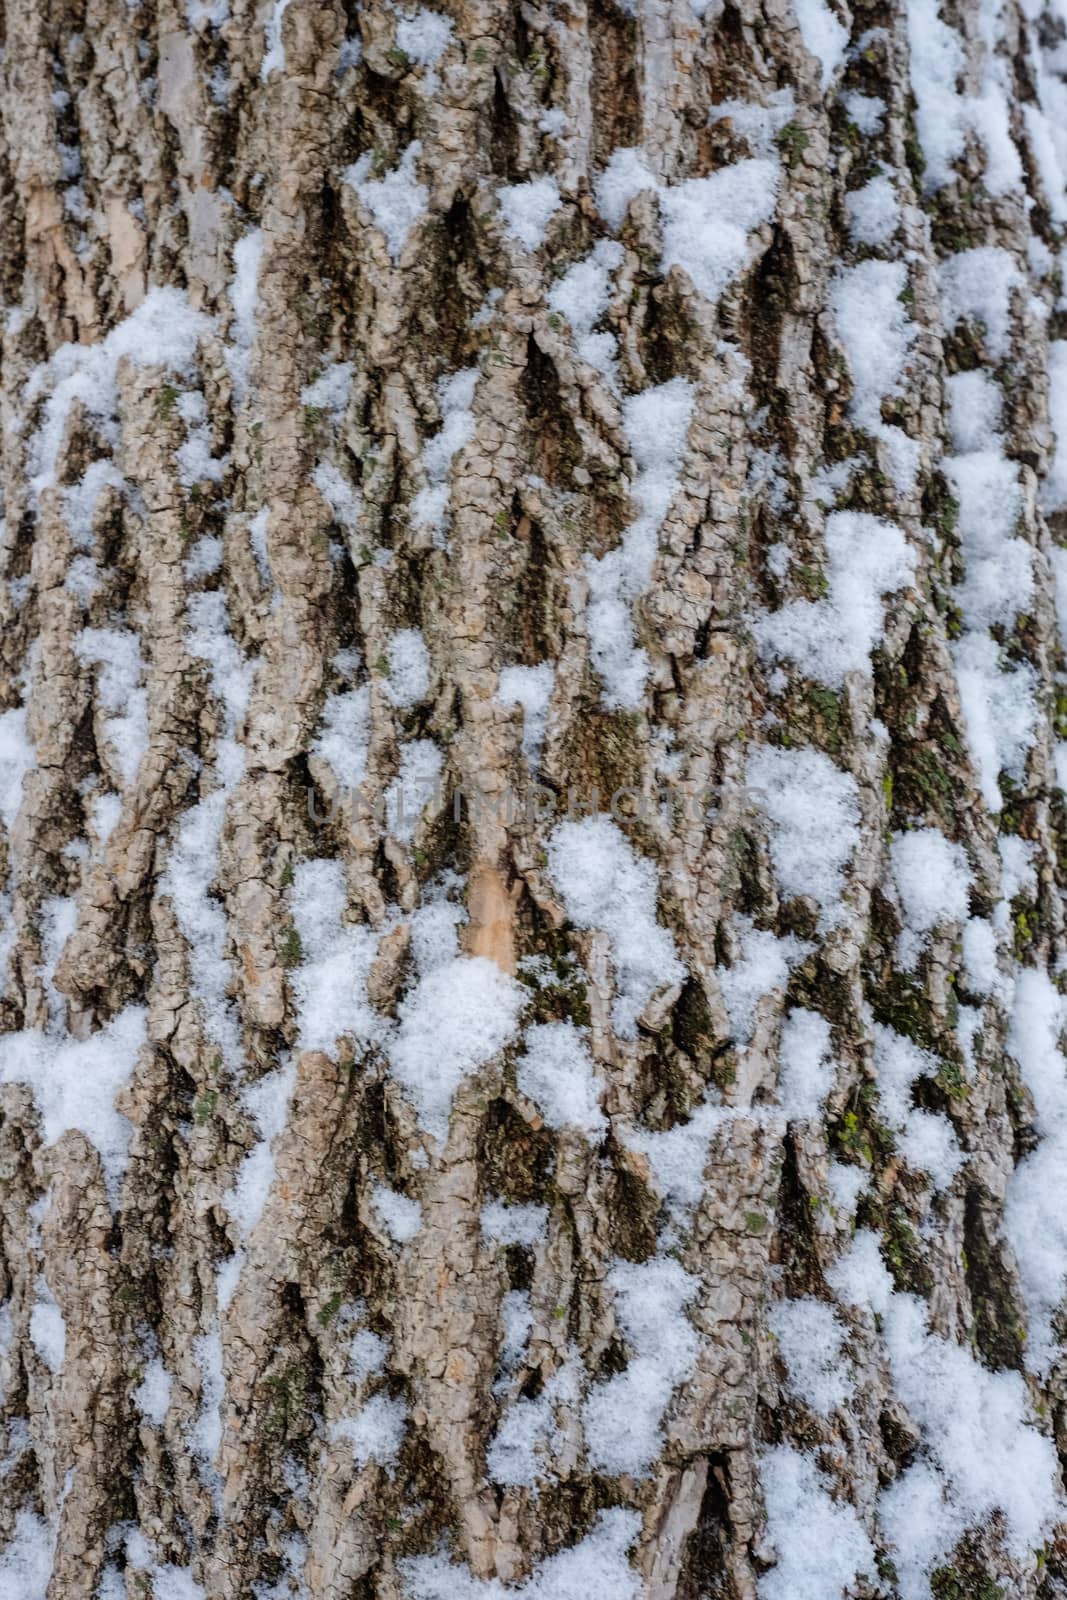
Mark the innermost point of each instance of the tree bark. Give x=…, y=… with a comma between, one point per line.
x=530, y=771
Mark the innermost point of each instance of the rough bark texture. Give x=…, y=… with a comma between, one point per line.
x=155, y=948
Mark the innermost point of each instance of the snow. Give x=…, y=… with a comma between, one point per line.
x=163, y=331
x=860, y=1277
x=342, y=497
x=706, y=221
x=595, y=1568
x=976, y=286
x=456, y=1019
x=933, y=881
x=456, y=399
x=1018, y=875
x=79, y=503
x=583, y=295
x=213, y=12
x=433, y=934
x=925, y=1139
x=194, y=856
x=813, y=808
x=509, y=1225
x=975, y=407
x=527, y=209
x=400, y=1217
x=830, y=637
x=343, y=740
x=118, y=654
x=396, y=201
x=206, y=1433
x=274, y=49
x=998, y=567
x=763, y=968
x=823, y=34
x=267, y=1100
x=873, y=212
x=811, y=1341
x=604, y=885
x=937, y=62
x=999, y=711
x=419, y=779
x=531, y=688
x=152, y=1396
x=408, y=678
x=26, y=1562
x=622, y=1416
x=980, y=956
x=865, y=111
x=678, y=1156
x=17, y=758
x=366, y=1356
x=558, y=1074
x=878, y=335
x=75, y=1083
x=820, y=1541
x=330, y=980
x=330, y=390
x=806, y=1068
x=424, y=36
x=48, y=1331
x=1055, y=486
x=377, y=1433
x=257, y=538
x=196, y=464
x=626, y=175
x=656, y=424
x=529, y=1436
x=758, y=125
x=846, y=1184
x=976, y=1433
x=203, y=560
x=1033, y=1214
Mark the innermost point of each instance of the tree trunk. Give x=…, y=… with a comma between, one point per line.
x=532, y=819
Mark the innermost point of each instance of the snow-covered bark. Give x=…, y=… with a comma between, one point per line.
x=532, y=784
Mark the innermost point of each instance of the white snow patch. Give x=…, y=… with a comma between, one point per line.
x=530, y=688
x=814, y=810
x=806, y=1068
x=514, y=1224
x=820, y=1541
x=152, y=1396
x=828, y=638
x=656, y=424
x=622, y=1416
x=330, y=981
x=459, y=1016
x=824, y=36
x=878, y=335
x=557, y=1072
x=377, y=1433
x=400, y=1217
x=456, y=398
x=594, y=1569
x=811, y=1339
x=873, y=212
x=75, y=1083
x=408, y=678
x=933, y=881
x=604, y=885
x=397, y=200
x=48, y=1331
